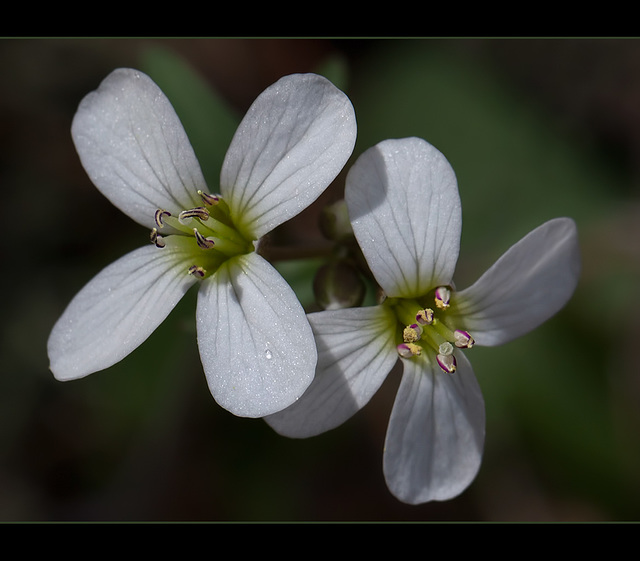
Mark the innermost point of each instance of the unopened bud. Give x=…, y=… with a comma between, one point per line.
x=334, y=221
x=338, y=285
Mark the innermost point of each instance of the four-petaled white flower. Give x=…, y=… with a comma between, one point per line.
x=405, y=210
x=256, y=345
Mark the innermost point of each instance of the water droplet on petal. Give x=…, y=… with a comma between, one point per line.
x=268, y=354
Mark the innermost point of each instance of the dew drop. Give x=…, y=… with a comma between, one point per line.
x=268, y=354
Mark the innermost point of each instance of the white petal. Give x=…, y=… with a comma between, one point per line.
x=290, y=146
x=117, y=310
x=255, y=342
x=356, y=351
x=405, y=211
x=532, y=281
x=134, y=148
x=435, y=439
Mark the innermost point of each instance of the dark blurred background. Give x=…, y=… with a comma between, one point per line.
x=534, y=129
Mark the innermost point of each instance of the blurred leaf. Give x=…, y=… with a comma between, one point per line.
x=515, y=168
x=299, y=274
x=336, y=69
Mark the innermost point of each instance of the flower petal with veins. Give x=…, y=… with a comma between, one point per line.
x=117, y=310
x=433, y=448
x=255, y=342
x=526, y=286
x=133, y=147
x=356, y=351
x=405, y=212
x=410, y=236
x=293, y=142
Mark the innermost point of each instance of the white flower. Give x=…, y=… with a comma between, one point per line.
x=255, y=342
x=405, y=210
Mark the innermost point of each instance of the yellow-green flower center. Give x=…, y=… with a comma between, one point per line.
x=431, y=329
x=205, y=233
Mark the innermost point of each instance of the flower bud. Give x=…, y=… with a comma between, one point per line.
x=334, y=221
x=338, y=285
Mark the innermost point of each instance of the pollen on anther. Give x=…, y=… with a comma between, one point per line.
x=425, y=317
x=408, y=350
x=412, y=333
x=442, y=297
x=463, y=339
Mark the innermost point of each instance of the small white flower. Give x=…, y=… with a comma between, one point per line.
x=405, y=210
x=255, y=342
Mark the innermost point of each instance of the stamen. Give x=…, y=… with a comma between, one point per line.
x=204, y=243
x=412, y=333
x=208, y=199
x=200, y=213
x=463, y=339
x=159, y=217
x=197, y=271
x=407, y=350
x=447, y=363
x=425, y=317
x=442, y=297
x=156, y=238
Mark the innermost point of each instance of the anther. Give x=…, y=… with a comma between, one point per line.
x=412, y=333
x=204, y=243
x=208, y=199
x=160, y=214
x=407, y=350
x=197, y=271
x=199, y=212
x=445, y=357
x=156, y=238
x=425, y=317
x=442, y=297
x=447, y=363
x=463, y=339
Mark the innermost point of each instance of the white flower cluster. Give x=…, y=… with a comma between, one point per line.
x=262, y=355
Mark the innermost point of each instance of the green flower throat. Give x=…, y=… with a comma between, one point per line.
x=430, y=328
x=206, y=234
